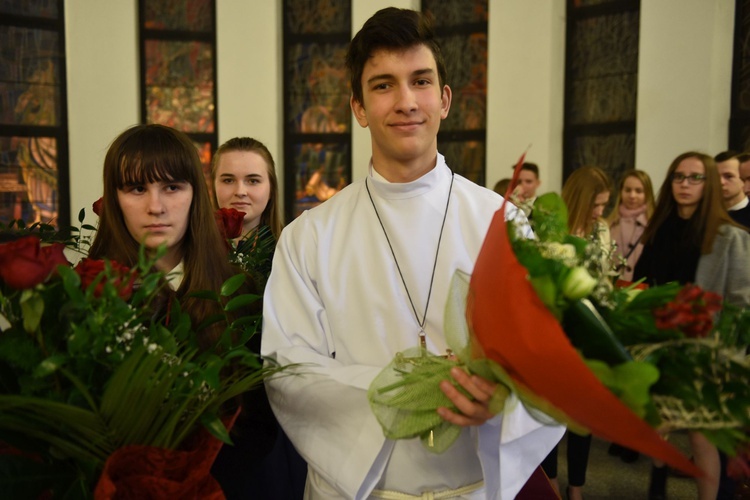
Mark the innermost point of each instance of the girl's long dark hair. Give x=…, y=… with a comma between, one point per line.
x=153, y=153
x=710, y=213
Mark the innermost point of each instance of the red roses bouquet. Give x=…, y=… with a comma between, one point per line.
x=93, y=377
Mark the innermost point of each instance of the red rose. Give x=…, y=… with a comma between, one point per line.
x=230, y=222
x=691, y=312
x=98, y=206
x=121, y=277
x=24, y=263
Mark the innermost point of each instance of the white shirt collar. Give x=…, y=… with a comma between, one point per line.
x=740, y=205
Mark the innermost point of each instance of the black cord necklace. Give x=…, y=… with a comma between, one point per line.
x=422, y=334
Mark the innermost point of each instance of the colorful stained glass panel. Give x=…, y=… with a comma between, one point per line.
x=321, y=172
x=454, y=12
x=318, y=89
x=29, y=76
x=180, y=85
x=603, y=69
x=613, y=153
x=318, y=16
x=466, y=158
x=28, y=179
x=466, y=65
x=182, y=15
x=33, y=8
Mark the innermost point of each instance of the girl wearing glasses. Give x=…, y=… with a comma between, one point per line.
x=692, y=239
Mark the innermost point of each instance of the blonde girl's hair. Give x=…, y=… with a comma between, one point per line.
x=579, y=194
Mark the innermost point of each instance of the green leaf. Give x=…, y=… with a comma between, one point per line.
x=245, y=320
x=588, y=332
x=49, y=365
x=232, y=285
x=32, y=308
x=214, y=318
x=241, y=301
x=81, y=215
x=71, y=283
x=204, y=294
x=215, y=427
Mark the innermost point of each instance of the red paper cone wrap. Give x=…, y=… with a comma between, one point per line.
x=516, y=330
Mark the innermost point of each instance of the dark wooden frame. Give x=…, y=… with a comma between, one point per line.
x=739, y=119
x=572, y=131
x=60, y=131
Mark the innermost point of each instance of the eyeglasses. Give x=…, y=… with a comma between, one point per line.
x=692, y=179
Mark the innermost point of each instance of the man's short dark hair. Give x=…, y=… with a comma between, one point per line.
x=391, y=29
x=531, y=167
x=726, y=155
x=743, y=157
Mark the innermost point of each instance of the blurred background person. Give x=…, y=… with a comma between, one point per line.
x=633, y=208
x=586, y=194
x=691, y=239
x=732, y=187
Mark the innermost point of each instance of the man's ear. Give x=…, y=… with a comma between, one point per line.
x=359, y=111
x=445, y=105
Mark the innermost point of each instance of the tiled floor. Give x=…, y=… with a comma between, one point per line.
x=608, y=477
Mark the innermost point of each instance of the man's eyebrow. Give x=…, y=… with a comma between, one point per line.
x=388, y=76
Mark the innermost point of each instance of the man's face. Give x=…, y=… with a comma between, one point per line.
x=529, y=182
x=403, y=106
x=745, y=176
x=731, y=184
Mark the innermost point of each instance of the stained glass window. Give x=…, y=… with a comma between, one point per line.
x=317, y=124
x=462, y=32
x=601, y=82
x=33, y=113
x=739, y=125
x=178, y=69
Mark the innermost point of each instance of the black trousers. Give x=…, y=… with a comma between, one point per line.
x=578, y=459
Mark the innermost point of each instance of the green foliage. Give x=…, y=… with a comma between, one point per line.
x=85, y=372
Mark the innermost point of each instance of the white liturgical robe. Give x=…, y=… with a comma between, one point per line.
x=336, y=305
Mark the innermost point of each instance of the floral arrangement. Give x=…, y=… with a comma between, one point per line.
x=100, y=391
x=623, y=362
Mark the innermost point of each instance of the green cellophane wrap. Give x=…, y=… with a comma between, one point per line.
x=405, y=396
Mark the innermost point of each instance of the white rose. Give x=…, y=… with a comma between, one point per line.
x=578, y=284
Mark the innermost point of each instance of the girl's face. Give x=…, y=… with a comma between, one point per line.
x=633, y=195
x=157, y=213
x=688, y=180
x=600, y=203
x=242, y=183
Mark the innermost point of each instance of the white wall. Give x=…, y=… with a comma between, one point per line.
x=684, y=80
x=525, y=94
x=102, y=69
x=249, y=75
x=683, y=101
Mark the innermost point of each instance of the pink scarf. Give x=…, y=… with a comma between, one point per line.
x=626, y=213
